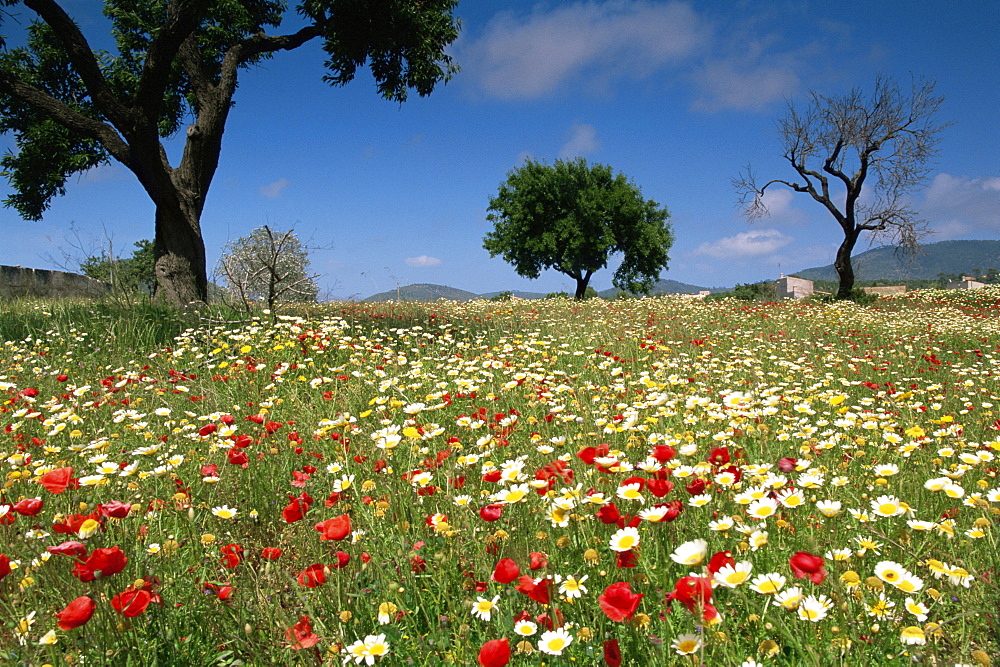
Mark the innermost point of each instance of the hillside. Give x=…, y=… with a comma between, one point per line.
x=423, y=292
x=952, y=257
x=430, y=292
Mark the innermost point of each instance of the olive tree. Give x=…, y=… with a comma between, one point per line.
x=174, y=69
x=572, y=217
x=268, y=267
x=859, y=157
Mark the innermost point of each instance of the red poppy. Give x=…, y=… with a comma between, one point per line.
x=343, y=559
x=71, y=548
x=537, y=590
x=28, y=506
x=720, y=560
x=270, y=553
x=787, y=464
x=663, y=453
x=58, y=480
x=115, y=508
x=223, y=591
x=300, y=635
x=612, y=653
x=491, y=512
x=131, y=602
x=608, y=513
x=719, y=456
x=696, y=486
x=238, y=457
x=549, y=622
x=506, y=571
x=805, y=564
x=297, y=508
x=624, y=559
x=588, y=454
x=231, y=555
x=76, y=613
x=495, y=653
x=207, y=429
x=336, y=528
x=692, y=592
x=4, y=566
x=107, y=561
x=271, y=427
x=619, y=602
x=312, y=576
x=659, y=487
x=70, y=525
x=538, y=560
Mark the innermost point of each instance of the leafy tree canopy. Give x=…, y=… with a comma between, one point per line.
x=129, y=274
x=571, y=217
x=176, y=63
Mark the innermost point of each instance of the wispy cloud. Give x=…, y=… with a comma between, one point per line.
x=582, y=141
x=532, y=55
x=754, y=243
x=957, y=206
x=274, y=188
x=422, y=261
x=740, y=85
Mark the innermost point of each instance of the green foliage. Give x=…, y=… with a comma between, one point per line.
x=858, y=296
x=572, y=217
x=763, y=291
x=131, y=274
x=503, y=296
x=71, y=108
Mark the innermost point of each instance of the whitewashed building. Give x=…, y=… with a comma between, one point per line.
x=790, y=287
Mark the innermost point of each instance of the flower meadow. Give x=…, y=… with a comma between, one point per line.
x=650, y=481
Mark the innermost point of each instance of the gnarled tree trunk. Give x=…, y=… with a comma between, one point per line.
x=180, y=256
x=843, y=266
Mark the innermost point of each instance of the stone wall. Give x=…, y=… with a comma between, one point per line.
x=17, y=282
x=885, y=289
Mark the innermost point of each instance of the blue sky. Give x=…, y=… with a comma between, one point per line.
x=678, y=96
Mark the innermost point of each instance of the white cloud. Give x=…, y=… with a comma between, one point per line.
x=722, y=85
x=529, y=56
x=582, y=141
x=274, y=188
x=423, y=261
x=754, y=243
x=957, y=206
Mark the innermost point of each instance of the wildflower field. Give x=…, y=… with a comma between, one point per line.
x=639, y=482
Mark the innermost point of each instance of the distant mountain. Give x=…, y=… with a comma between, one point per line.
x=428, y=292
x=885, y=263
x=423, y=292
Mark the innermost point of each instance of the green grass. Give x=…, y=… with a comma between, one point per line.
x=399, y=415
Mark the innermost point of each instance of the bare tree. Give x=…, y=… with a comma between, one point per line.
x=268, y=267
x=837, y=142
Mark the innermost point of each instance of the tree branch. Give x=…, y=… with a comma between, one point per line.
x=183, y=17
x=84, y=62
x=66, y=115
